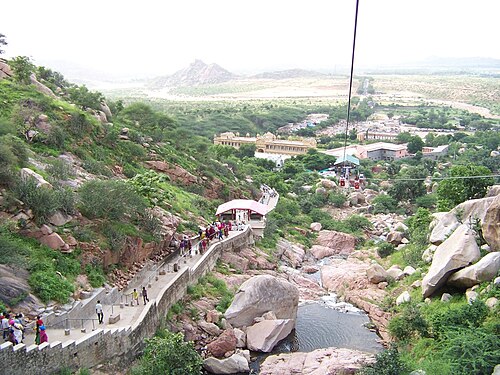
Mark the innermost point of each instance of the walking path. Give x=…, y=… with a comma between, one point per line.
x=128, y=314
x=154, y=283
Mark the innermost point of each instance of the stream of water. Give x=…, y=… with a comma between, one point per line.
x=326, y=323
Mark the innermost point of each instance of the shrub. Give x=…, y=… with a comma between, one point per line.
x=337, y=199
x=456, y=317
x=406, y=325
x=50, y=286
x=110, y=200
x=95, y=275
x=357, y=223
x=42, y=200
x=383, y=203
x=169, y=354
x=387, y=362
x=385, y=249
x=471, y=351
x=59, y=169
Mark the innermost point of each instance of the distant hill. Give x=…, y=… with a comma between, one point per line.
x=461, y=62
x=289, y=73
x=197, y=73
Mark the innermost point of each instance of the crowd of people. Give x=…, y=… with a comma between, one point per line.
x=14, y=327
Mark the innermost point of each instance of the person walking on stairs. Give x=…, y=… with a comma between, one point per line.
x=100, y=313
x=145, y=295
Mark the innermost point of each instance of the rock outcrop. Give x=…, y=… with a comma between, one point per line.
x=491, y=225
x=225, y=343
x=332, y=361
x=237, y=363
x=376, y=274
x=456, y=252
x=484, y=270
x=337, y=242
x=446, y=223
x=263, y=336
x=27, y=173
x=291, y=253
x=348, y=279
x=259, y=295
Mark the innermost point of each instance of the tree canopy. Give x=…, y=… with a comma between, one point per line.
x=457, y=190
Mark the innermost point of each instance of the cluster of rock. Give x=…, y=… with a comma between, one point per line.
x=389, y=227
x=321, y=361
x=455, y=254
x=262, y=313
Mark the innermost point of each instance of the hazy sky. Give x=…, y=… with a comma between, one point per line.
x=141, y=38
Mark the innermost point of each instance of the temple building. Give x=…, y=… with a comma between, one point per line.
x=267, y=143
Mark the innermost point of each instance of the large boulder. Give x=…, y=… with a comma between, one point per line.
x=339, y=243
x=491, y=225
x=27, y=174
x=458, y=251
x=315, y=227
x=14, y=286
x=446, y=223
x=395, y=237
x=291, y=253
x=259, y=295
x=332, y=361
x=223, y=344
x=376, y=273
x=484, y=270
x=237, y=363
x=443, y=225
x=263, y=336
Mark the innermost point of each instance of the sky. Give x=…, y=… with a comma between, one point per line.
x=149, y=38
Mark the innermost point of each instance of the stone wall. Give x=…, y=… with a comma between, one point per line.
x=118, y=345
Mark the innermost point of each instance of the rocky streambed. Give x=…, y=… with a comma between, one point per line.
x=327, y=333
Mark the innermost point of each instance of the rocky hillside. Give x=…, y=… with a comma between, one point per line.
x=90, y=190
x=197, y=73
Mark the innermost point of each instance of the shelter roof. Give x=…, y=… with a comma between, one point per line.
x=348, y=158
x=242, y=204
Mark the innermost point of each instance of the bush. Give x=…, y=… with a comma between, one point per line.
x=41, y=200
x=471, y=351
x=337, y=199
x=50, y=286
x=385, y=249
x=387, y=362
x=95, y=275
x=110, y=200
x=169, y=354
x=406, y=325
x=383, y=203
x=457, y=317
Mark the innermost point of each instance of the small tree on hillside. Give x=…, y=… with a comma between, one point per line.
x=415, y=145
x=22, y=67
x=2, y=42
x=457, y=190
x=169, y=354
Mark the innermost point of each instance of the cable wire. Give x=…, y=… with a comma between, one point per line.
x=350, y=80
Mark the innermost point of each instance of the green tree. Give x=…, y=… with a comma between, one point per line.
x=168, y=354
x=247, y=150
x=2, y=42
x=454, y=191
x=404, y=137
x=22, y=68
x=415, y=144
x=410, y=185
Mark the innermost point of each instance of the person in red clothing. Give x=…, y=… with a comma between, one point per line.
x=43, y=335
x=39, y=323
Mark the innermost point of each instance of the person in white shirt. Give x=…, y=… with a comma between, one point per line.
x=98, y=310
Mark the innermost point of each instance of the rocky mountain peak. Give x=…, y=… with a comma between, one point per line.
x=197, y=73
